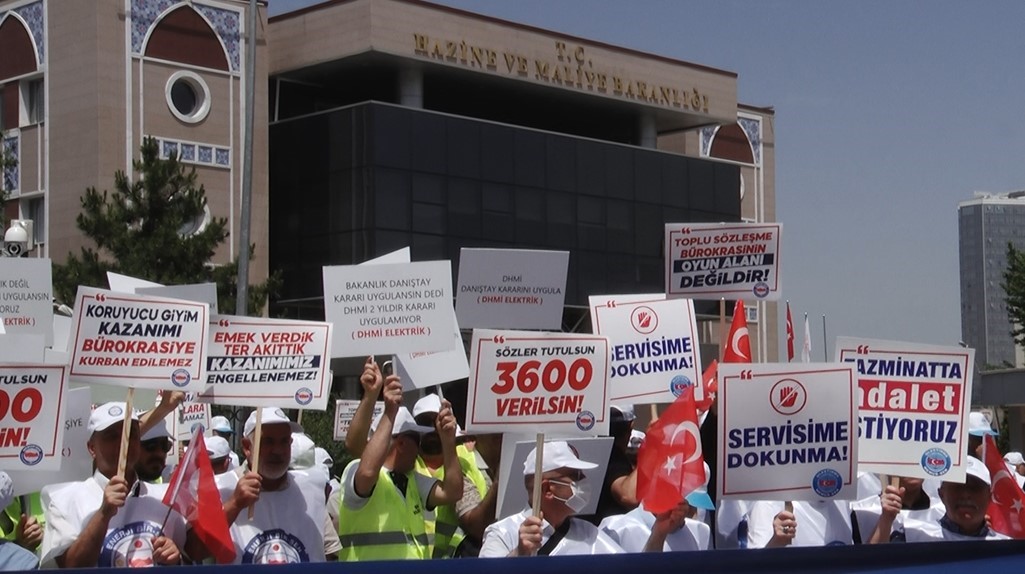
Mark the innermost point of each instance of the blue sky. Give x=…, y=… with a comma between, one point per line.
x=887, y=115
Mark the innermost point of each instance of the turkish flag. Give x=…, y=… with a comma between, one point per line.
x=790, y=335
x=193, y=493
x=738, y=344
x=669, y=463
x=710, y=382
x=1008, y=501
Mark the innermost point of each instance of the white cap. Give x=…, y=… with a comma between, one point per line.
x=699, y=498
x=978, y=425
x=555, y=455
x=623, y=413
x=978, y=470
x=159, y=430
x=271, y=416
x=1014, y=458
x=6, y=489
x=220, y=424
x=403, y=423
x=217, y=447
x=428, y=404
x=303, y=455
x=108, y=414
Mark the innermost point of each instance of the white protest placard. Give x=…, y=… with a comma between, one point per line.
x=731, y=260
x=914, y=402
x=201, y=292
x=787, y=431
x=189, y=414
x=511, y=288
x=512, y=494
x=140, y=341
x=31, y=415
x=21, y=348
x=126, y=283
x=425, y=369
x=389, y=308
x=655, y=349
x=26, y=296
x=75, y=461
x=345, y=410
x=268, y=363
x=524, y=381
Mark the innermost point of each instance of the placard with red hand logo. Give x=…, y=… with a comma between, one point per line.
x=787, y=431
x=655, y=350
x=533, y=382
x=914, y=402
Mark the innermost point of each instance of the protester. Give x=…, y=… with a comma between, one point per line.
x=380, y=516
x=1016, y=464
x=218, y=450
x=107, y=520
x=978, y=427
x=14, y=556
x=812, y=523
x=304, y=461
x=288, y=520
x=564, y=493
x=908, y=500
x=449, y=533
x=676, y=530
x=477, y=507
x=965, y=516
x=219, y=426
x=155, y=444
x=618, y=493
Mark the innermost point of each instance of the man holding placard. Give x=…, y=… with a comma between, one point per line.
x=564, y=492
x=110, y=520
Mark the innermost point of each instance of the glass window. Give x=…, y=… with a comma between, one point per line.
x=34, y=107
x=37, y=213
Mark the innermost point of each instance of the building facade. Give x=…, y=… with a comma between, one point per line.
x=82, y=82
x=986, y=224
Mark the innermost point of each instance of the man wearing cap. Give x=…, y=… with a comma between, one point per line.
x=978, y=427
x=909, y=500
x=564, y=492
x=965, y=517
x=108, y=520
x=217, y=449
x=219, y=426
x=155, y=444
x=288, y=520
x=475, y=509
x=1016, y=463
x=381, y=515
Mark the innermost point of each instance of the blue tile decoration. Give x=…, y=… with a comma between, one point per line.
x=206, y=154
x=12, y=173
x=188, y=152
x=223, y=157
x=707, y=135
x=225, y=23
x=753, y=129
x=167, y=148
x=32, y=14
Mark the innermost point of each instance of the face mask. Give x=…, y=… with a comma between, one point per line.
x=581, y=494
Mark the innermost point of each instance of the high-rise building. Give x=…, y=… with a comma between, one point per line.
x=986, y=224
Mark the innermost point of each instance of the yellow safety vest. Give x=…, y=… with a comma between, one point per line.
x=14, y=512
x=448, y=535
x=388, y=527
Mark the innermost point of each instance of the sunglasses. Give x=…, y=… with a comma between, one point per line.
x=157, y=444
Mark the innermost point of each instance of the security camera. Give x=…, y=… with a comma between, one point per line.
x=18, y=238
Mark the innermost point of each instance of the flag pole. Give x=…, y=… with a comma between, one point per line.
x=824, y=350
x=126, y=429
x=255, y=463
x=722, y=327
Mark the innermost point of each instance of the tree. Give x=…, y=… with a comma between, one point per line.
x=1014, y=289
x=146, y=229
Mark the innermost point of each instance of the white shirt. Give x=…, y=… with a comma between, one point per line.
x=632, y=530
x=819, y=523
x=931, y=531
x=868, y=511
x=728, y=515
x=583, y=538
x=287, y=525
x=130, y=533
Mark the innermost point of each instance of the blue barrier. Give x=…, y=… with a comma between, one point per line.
x=925, y=558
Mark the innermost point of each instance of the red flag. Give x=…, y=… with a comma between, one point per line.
x=669, y=464
x=738, y=344
x=1007, y=505
x=710, y=382
x=193, y=493
x=790, y=335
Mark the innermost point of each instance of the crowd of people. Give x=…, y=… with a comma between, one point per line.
x=421, y=488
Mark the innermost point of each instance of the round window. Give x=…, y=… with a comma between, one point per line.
x=188, y=97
